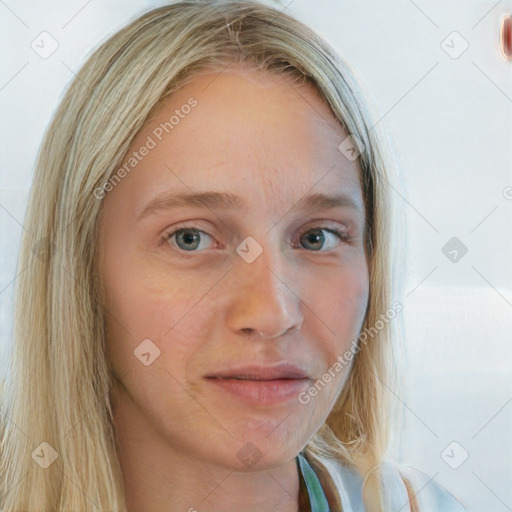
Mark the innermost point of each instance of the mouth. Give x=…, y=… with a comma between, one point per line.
x=261, y=385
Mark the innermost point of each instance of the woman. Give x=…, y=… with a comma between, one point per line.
x=205, y=320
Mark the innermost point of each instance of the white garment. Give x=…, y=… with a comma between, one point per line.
x=343, y=487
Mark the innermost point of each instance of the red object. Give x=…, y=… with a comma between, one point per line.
x=506, y=36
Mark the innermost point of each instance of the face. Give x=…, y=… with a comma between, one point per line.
x=224, y=311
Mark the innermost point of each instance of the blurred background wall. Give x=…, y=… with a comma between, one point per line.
x=444, y=93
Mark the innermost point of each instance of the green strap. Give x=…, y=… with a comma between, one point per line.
x=316, y=494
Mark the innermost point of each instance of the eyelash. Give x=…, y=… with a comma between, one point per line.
x=340, y=233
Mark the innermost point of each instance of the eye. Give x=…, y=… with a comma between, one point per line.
x=191, y=239
x=317, y=240
x=187, y=238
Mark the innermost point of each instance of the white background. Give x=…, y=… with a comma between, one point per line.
x=451, y=120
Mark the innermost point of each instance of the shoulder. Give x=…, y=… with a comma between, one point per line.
x=429, y=494
x=401, y=485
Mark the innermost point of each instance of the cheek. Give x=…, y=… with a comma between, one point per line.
x=341, y=302
x=352, y=300
x=166, y=308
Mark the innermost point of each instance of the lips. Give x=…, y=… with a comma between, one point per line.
x=261, y=372
x=261, y=384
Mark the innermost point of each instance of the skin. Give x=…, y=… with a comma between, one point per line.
x=303, y=301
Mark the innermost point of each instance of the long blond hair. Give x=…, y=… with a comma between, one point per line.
x=59, y=382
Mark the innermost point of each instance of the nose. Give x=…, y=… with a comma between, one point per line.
x=264, y=301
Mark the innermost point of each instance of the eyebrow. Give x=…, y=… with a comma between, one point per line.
x=229, y=201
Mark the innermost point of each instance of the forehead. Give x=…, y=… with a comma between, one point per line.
x=245, y=130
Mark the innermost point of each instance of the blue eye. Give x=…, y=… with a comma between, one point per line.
x=315, y=238
x=190, y=239
x=187, y=239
